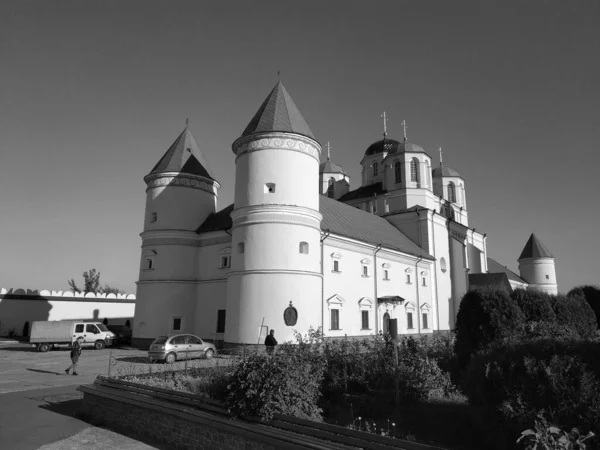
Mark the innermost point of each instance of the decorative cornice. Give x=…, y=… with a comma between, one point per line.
x=182, y=180
x=284, y=214
x=274, y=272
x=277, y=141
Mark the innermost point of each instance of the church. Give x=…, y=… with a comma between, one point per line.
x=299, y=248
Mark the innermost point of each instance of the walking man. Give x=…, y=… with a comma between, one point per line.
x=75, y=353
x=270, y=342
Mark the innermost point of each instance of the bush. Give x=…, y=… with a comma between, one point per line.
x=287, y=382
x=522, y=378
x=591, y=294
x=574, y=312
x=485, y=316
x=536, y=306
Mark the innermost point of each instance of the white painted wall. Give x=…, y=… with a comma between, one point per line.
x=540, y=273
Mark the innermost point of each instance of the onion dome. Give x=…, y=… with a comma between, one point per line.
x=331, y=167
x=391, y=146
x=445, y=172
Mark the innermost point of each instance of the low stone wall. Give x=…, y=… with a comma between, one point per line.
x=177, y=420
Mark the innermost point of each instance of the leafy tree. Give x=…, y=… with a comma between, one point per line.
x=591, y=295
x=91, y=283
x=574, y=312
x=536, y=305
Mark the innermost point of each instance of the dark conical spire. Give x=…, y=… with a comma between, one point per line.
x=278, y=113
x=184, y=156
x=535, y=249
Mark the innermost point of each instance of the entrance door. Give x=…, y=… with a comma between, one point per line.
x=386, y=323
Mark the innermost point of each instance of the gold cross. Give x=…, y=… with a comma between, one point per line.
x=384, y=124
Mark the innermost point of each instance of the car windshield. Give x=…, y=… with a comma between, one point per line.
x=102, y=327
x=160, y=340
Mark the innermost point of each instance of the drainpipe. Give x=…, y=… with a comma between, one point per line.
x=418, y=301
x=375, y=276
x=327, y=233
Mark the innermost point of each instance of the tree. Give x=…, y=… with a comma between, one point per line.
x=91, y=283
x=591, y=295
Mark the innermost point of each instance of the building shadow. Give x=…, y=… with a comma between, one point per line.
x=18, y=311
x=7, y=348
x=45, y=371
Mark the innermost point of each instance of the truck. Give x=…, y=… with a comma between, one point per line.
x=48, y=334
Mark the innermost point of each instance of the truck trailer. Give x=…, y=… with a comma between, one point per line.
x=48, y=334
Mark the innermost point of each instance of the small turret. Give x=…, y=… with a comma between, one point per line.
x=333, y=179
x=536, y=266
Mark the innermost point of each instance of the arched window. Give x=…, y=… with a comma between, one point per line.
x=451, y=192
x=241, y=247
x=443, y=264
x=414, y=170
x=375, y=169
x=398, y=172
x=303, y=248
x=330, y=187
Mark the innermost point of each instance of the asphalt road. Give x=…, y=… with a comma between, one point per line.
x=39, y=403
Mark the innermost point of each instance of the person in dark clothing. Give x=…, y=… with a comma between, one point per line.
x=270, y=342
x=75, y=353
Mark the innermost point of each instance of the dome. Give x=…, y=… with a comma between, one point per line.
x=393, y=146
x=331, y=167
x=445, y=172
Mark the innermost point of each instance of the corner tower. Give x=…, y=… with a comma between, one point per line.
x=275, y=225
x=181, y=193
x=536, y=266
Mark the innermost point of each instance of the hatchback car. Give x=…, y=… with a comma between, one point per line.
x=180, y=346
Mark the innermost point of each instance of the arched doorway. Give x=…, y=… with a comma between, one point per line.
x=386, y=323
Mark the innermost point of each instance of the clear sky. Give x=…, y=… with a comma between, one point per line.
x=93, y=93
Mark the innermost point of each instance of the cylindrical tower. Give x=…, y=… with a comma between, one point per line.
x=181, y=193
x=276, y=225
x=536, y=266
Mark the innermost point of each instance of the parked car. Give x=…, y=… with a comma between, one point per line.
x=122, y=332
x=180, y=346
x=47, y=334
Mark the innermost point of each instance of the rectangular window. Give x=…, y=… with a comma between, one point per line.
x=176, y=323
x=365, y=271
x=149, y=264
x=408, y=278
x=225, y=261
x=79, y=328
x=365, y=320
x=425, y=324
x=336, y=266
x=409, y=321
x=374, y=209
x=386, y=275
x=221, y=320
x=335, y=319
x=424, y=282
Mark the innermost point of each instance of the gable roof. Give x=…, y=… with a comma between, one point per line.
x=342, y=220
x=535, y=249
x=364, y=192
x=184, y=156
x=489, y=281
x=495, y=267
x=278, y=113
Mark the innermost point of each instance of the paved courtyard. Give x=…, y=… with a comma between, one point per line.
x=39, y=403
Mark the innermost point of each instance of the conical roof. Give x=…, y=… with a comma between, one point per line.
x=278, y=113
x=535, y=249
x=331, y=167
x=184, y=156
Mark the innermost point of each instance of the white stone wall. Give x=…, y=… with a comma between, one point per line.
x=540, y=273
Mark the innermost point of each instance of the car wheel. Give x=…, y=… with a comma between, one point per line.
x=208, y=354
x=99, y=345
x=170, y=358
x=43, y=347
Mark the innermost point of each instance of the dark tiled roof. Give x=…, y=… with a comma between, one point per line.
x=331, y=167
x=343, y=220
x=445, y=172
x=351, y=222
x=495, y=267
x=364, y=192
x=218, y=221
x=393, y=146
x=535, y=249
x=184, y=156
x=278, y=113
x=489, y=281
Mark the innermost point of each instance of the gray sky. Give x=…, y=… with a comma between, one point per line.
x=93, y=93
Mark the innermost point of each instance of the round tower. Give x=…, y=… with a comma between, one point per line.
x=181, y=193
x=536, y=266
x=275, y=225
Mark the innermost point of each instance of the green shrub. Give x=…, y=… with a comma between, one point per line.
x=574, y=312
x=485, y=316
x=287, y=382
x=536, y=305
x=592, y=297
x=519, y=379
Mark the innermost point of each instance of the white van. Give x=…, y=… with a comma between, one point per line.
x=58, y=333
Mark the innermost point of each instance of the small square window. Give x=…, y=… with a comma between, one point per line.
x=225, y=262
x=386, y=275
x=176, y=323
x=153, y=217
x=149, y=264
x=269, y=188
x=303, y=248
x=407, y=278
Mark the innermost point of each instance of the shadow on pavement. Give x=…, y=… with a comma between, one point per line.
x=6, y=348
x=134, y=359
x=45, y=371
